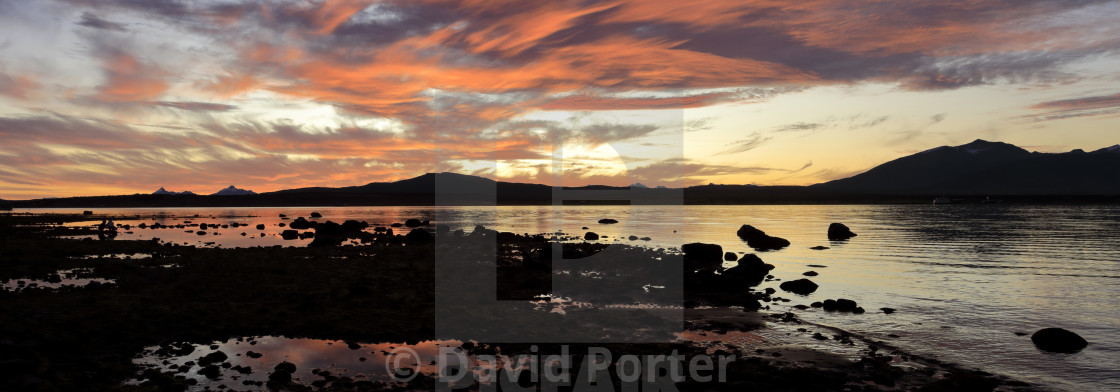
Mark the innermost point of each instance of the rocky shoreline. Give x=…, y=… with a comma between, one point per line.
x=379, y=288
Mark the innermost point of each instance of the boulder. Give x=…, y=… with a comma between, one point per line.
x=300, y=224
x=810, y=273
x=730, y=256
x=750, y=271
x=413, y=223
x=607, y=221
x=800, y=286
x=590, y=236
x=1058, y=340
x=759, y=240
x=702, y=256
x=418, y=235
x=289, y=234
x=316, y=215
x=839, y=232
x=285, y=367
x=260, y=227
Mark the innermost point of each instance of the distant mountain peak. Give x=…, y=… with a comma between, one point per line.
x=162, y=191
x=981, y=145
x=234, y=191
x=639, y=185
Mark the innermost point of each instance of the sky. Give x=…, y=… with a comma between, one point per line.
x=126, y=96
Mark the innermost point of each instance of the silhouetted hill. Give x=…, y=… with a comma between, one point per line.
x=973, y=170
x=989, y=168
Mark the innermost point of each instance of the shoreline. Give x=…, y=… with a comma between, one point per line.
x=317, y=293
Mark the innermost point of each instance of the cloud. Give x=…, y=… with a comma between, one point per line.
x=1075, y=107
x=17, y=86
x=93, y=21
x=751, y=142
x=196, y=106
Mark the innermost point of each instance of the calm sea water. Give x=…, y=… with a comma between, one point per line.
x=963, y=278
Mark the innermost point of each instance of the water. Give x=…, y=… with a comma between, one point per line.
x=963, y=278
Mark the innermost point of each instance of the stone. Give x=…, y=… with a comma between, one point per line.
x=590, y=236
x=260, y=227
x=413, y=223
x=289, y=234
x=607, y=221
x=702, y=256
x=800, y=286
x=418, y=235
x=759, y=240
x=839, y=232
x=887, y=310
x=316, y=215
x=810, y=273
x=1058, y=340
x=730, y=256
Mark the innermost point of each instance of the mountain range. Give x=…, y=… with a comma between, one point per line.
x=975, y=171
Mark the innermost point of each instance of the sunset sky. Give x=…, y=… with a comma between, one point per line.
x=126, y=96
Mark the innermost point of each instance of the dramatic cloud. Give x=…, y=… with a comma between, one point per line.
x=360, y=88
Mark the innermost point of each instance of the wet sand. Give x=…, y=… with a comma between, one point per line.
x=381, y=290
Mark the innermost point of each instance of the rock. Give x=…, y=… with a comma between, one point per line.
x=590, y=236
x=810, y=273
x=817, y=304
x=282, y=224
x=285, y=367
x=200, y=232
x=212, y=358
x=751, y=270
x=353, y=228
x=413, y=223
x=87, y=212
x=398, y=224
x=253, y=355
x=839, y=232
x=730, y=256
x=702, y=256
x=211, y=371
x=316, y=215
x=300, y=224
x=759, y=240
x=887, y=310
x=1058, y=340
x=418, y=235
x=845, y=305
x=607, y=221
x=289, y=234
x=800, y=286
x=632, y=238
x=260, y=227
x=819, y=247
x=283, y=216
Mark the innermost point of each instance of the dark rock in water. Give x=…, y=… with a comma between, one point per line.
x=316, y=215
x=353, y=228
x=1021, y=334
x=300, y=224
x=838, y=232
x=887, y=310
x=398, y=224
x=858, y=310
x=289, y=234
x=211, y=371
x=800, y=286
x=632, y=238
x=282, y=224
x=810, y=273
x=607, y=221
x=213, y=358
x=253, y=355
x=260, y=227
x=759, y=240
x=590, y=236
x=818, y=336
x=283, y=216
x=418, y=235
x=413, y=223
x=306, y=235
x=202, y=226
x=770, y=290
x=87, y=212
x=819, y=247
x=730, y=256
x=801, y=307
x=829, y=304
x=1058, y=340
x=200, y=232
x=817, y=304
x=353, y=346
x=845, y=305
x=702, y=256
x=285, y=367
x=751, y=270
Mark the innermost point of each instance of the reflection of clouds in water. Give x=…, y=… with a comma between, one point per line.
x=307, y=354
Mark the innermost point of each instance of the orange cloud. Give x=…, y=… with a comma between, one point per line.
x=130, y=80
